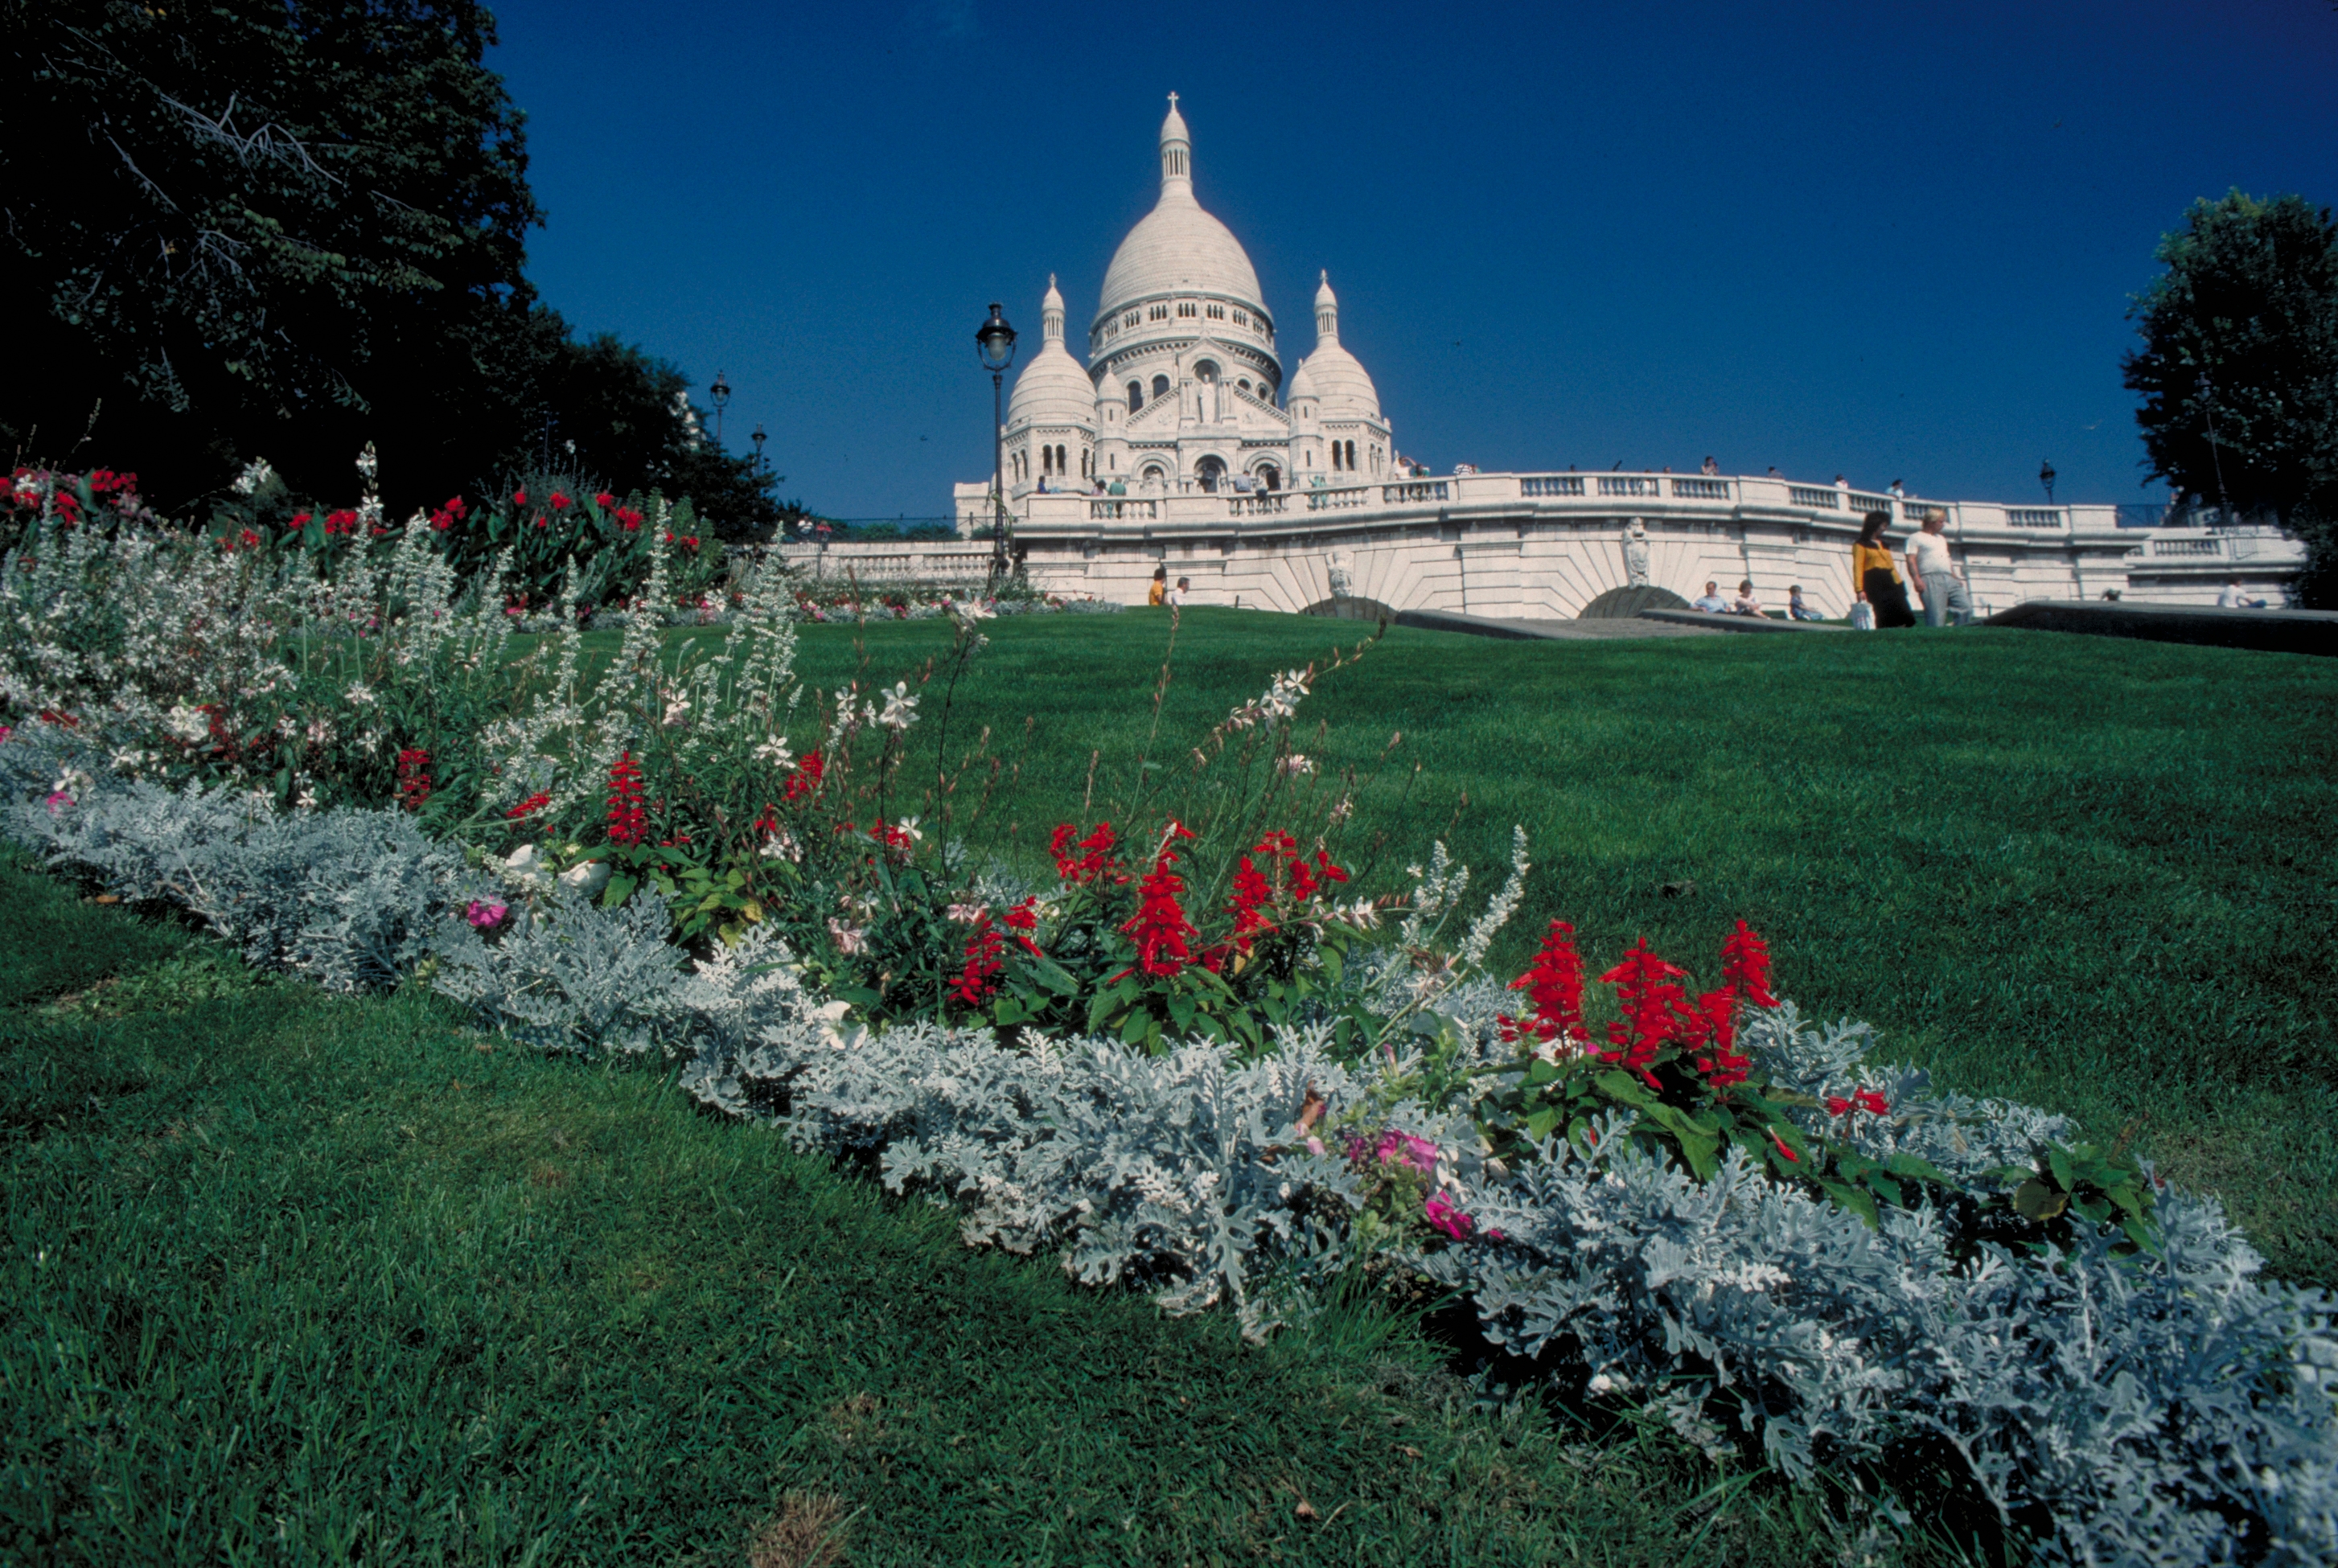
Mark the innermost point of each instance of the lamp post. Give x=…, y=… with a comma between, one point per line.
x=720, y=392
x=758, y=439
x=2208, y=408
x=2046, y=477
x=994, y=340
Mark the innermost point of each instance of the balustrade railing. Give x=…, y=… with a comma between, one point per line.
x=2033, y=516
x=1815, y=496
x=1701, y=489
x=1629, y=484
x=1411, y=495
x=1124, y=511
x=1335, y=499
x=1552, y=485
x=1271, y=504
x=2187, y=546
x=1862, y=503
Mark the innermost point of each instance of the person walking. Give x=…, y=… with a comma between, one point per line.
x=1159, y=593
x=1875, y=577
x=1934, y=574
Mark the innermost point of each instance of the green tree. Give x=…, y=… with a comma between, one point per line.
x=263, y=226
x=2241, y=334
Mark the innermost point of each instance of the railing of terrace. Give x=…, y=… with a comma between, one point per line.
x=1404, y=495
x=2187, y=546
x=1118, y=511
x=1272, y=503
x=1335, y=500
x=1630, y=484
x=1552, y=485
x=1701, y=489
x=1863, y=502
x=1815, y=495
x=2034, y=517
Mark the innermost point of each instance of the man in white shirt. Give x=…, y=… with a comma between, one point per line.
x=1712, y=602
x=1182, y=592
x=2232, y=598
x=1934, y=575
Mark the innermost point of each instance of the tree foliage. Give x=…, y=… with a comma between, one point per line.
x=256, y=227
x=2241, y=333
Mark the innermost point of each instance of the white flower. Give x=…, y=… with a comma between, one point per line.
x=900, y=707
x=967, y=914
x=847, y=937
x=187, y=723
x=907, y=828
x=782, y=846
x=359, y=694
x=255, y=474
x=306, y=799
x=675, y=707
x=320, y=731
x=828, y=1016
x=1363, y=914
x=1297, y=763
x=775, y=752
x=1344, y=809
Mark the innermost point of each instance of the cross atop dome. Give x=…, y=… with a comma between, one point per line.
x=1176, y=151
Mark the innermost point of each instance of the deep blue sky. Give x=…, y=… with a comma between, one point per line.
x=1890, y=241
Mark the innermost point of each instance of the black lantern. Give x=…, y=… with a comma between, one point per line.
x=994, y=340
x=2046, y=477
x=720, y=393
x=758, y=439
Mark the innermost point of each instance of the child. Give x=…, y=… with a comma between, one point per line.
x=1796, y=609
x=1745, y=604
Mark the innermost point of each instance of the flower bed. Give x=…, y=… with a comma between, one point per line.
x=1187, y=1062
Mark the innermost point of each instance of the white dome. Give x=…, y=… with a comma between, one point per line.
x=1052, y=389
x=1177, y=248
x=1302, y=385
x=1332, y=375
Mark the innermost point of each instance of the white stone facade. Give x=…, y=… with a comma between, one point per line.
x=1180, y=444
x=1183, y=392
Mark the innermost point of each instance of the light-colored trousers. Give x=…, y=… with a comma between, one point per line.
x=1946, y=601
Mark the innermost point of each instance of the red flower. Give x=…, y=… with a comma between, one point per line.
x=1160, y=925
x=604, y=500
x=413, y=777
x=1746, y=966
x=1712, y=1039
x=1790, y=1156
x=1252, y=894
x=1872, y=1102
x=1655, y=1009
x=805, y=780
x=628, y=822
x=542, y=521
x=449, y=515
x=519, y=497
x=1554, y=983
x=299, y=521
x=535, y=802
x=1836, y=1106
x=1024, y=920
x=342, y=521
x=1094, y=863
x=769, y=822
x=559, y=502
x=979, y=977
x=628, y=519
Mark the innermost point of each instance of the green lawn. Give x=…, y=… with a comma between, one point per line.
x=293, y=1278
x=2096, y=874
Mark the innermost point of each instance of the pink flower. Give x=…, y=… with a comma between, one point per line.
x=485, y=916
x=5, y=733
x=1446, y=1218
x=1314, y=1145
x=58, y=802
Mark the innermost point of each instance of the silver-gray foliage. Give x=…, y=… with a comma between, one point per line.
x=2161, y=1410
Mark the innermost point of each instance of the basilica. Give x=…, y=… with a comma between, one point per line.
x=1183, y=391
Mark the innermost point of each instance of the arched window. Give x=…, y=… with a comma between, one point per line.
x=1244, y=383
x=1161, y=386
x=1206, y=372
x=1335, y=457
x=1135, y=395
x=1270, y=475
x=1212, y=473
x=1062, y=466
x=1351, y=456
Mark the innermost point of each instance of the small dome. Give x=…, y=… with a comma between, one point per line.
x=1302, y=385
x=1332, y=375
x=1052, y=389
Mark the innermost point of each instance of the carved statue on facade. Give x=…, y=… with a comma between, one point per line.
x=1635, y=555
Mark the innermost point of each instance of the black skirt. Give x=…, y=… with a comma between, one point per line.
x=1889, y=597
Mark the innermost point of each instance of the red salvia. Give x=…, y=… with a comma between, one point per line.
x=413, y=777
x=1655, y=1009
x=1554, y=983
x=1023, y=920
x=1746, y=966
x=535, y=802
x=1160, y=926
x=979, y=977
x=628, y=821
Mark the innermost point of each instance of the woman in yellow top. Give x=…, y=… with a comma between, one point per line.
x=1875, y=576
x=1159, y=593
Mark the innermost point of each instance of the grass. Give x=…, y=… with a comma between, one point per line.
x=2096, y=874
x=292, y=1278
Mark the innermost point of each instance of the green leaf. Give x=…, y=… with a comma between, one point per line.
x=2059, y=1163
x=621, y=887
x=1053, y=976
x=1623, y=1086
x=1887, y=1188
x=1134, y=1028
x=1541, y=1124
x=1009, y=1010
x=861, y=996
x=1857, y=1200
x=2033, y=1200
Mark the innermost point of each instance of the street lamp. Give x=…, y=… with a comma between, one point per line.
x=758, y=439
x=2208, y=408
x=994, y=340
x=2046, y=477
x=721, y=391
